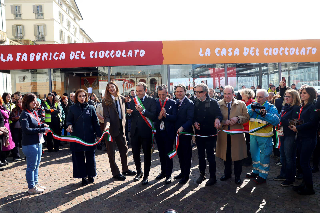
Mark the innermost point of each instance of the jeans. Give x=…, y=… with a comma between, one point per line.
x=261, y=149
x=305, y=146
x=288, y=150
x=33, y=154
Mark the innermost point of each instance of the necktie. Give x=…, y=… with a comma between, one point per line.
x=116, y=102
x=229, y=106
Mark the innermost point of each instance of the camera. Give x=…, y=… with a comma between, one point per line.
x=256, y=105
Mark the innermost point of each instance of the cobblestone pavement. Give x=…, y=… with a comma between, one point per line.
x=65, y=194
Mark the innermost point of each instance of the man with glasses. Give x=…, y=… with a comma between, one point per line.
x=184, y=124
x=164, y=124
x=263, y=116
x=207, y=117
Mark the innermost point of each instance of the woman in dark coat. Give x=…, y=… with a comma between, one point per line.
x=1, y=137
x=82, y=122
x=306, y=137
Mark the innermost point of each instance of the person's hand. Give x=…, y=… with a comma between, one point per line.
x=69, y=129
x=139, y=108
x=217, y=123
x=45, y=125
x=129, y=111
x=180, y=130
x=46, y=131
x=164, y=112
x=107, y=128
x=263, y=112
x=293, y=128
x=197, y=125
x=227, y=122
x=233, y=121
x=160, y=116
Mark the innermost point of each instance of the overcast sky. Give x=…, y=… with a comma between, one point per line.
x=149, y=20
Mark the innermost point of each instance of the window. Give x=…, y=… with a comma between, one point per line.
x=38, y=11
x=18, y=31
x=60, y=3
x=69, y=39
x=67, y=10
x=16, y=11
x=75, y=31
x=61, y=17
x=62, y=37
x=40, y=32
x=68, y=25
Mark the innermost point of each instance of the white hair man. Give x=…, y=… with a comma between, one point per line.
x=263, y=116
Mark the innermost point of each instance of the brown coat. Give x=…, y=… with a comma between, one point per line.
x=238, y=144
x=111, y=117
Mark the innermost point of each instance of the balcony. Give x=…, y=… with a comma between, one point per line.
x=3, y=37
x=17, y=16
x=40, y=38
x=39, y=16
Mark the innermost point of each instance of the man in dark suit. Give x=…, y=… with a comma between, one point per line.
x=184, y=124
x=141, y=132
x=167, y=114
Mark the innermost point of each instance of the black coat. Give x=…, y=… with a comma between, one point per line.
x=205, y=113
x=84, y=121
x=309, y=116
x=1, y=125
x=138, y=125
x=30, y=129
x=171, y=108
x=287, y=115
x=185, y=115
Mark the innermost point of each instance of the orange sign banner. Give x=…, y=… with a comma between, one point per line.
x=240, y=51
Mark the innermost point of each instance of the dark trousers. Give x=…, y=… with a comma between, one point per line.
x=288, y=151
x=228, y=162
x=136, y=142
x=247, y=135
x=316, y=154
x=123, y=150
x=206, y=145
x=53, y=143
x=165, y=145
x=185, y=154
x=16, y=137
x=306, y=145
x=84, y=164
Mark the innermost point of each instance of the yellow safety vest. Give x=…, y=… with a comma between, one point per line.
x=264, y=132
x=47, y=118
x=10, y=107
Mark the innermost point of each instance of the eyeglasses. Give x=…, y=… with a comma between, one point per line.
x=287, y=96
x=195, y=92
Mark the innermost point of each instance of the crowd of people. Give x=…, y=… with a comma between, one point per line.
x=242, y=129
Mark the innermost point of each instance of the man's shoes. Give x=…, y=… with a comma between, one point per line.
x=200, y=179
x=17, y=159
x=307, y=190
x=279, y=178
x=84, y=182
x=145, y=181
x=286, y=183
x=225, y=177
x=211, y=181
x=2, y=164
x=237, y=180
x=260, y=180
x=184, y=180
x=138, y=176
x=1, y=169
x=252, y=175
x=129, y=173
x=90, y=179
x=168, y=180
x=179, y=176
x=159, y=177
x=315, y=169
x=119, y=177
x=278, y=163
x=299, y=187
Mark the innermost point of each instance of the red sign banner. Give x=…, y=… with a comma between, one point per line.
x=80, y=55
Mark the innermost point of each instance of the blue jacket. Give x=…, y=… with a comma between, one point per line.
x=85, y=125
x=185, y=115
x=309, y=116
x=171, y=108
x=271, y=116
x=289, y=114
x=30, y=129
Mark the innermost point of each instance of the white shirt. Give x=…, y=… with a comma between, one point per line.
x=118, y=102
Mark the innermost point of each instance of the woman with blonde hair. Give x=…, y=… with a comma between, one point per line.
x=288, y=148
x=114, y=113
x=248, y=98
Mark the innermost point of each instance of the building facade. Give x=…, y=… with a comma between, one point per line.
x=44, y=22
